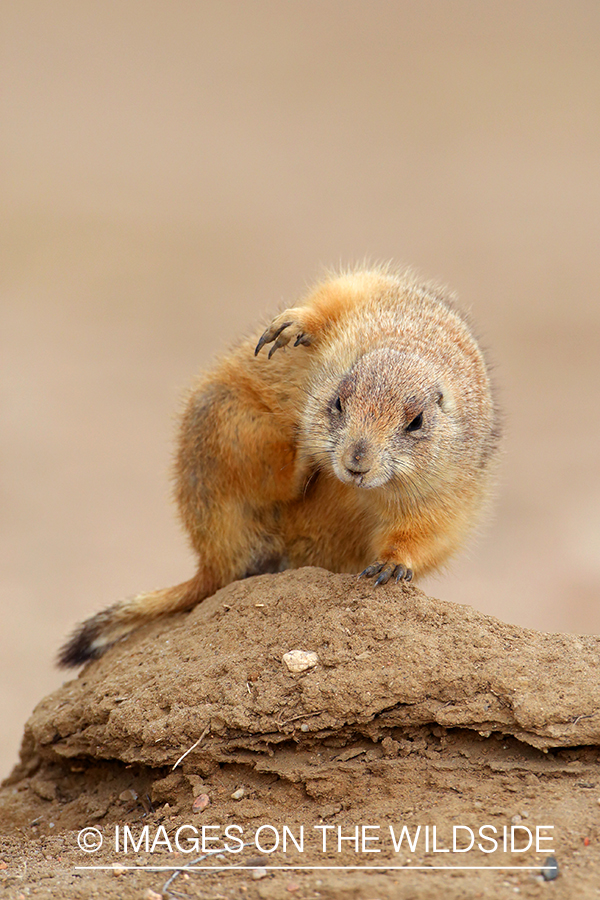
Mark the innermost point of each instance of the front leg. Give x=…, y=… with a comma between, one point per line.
x=396, y=553
x=324, y=308
x=400, y=553
x=327, y=306
x=411, y=551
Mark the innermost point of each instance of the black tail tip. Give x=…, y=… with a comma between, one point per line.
x=79, y=649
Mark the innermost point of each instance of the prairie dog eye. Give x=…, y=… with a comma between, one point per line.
x=338, y=404
x=416, y=423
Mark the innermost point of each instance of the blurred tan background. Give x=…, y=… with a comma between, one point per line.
x=173, y=170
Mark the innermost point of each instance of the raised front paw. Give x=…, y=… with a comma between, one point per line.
x=387, y=570
x=289, y=325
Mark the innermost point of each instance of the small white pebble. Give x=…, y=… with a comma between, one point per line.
x=304, y=727
x=261, y=872
x=515, y=820
x=237, y=795
x=300, y=660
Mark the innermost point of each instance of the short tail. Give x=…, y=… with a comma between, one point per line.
x=97, y=634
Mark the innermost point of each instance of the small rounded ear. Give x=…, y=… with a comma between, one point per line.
x=444, y=399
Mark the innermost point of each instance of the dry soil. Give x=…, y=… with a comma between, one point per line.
x=418, y=715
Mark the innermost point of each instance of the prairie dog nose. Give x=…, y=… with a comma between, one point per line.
x=357, y=458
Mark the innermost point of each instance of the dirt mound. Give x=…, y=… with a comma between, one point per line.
x=409, y=713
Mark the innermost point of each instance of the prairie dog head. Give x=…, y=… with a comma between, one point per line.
x=387, y=419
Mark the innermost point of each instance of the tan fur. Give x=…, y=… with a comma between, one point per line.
x=317, y=456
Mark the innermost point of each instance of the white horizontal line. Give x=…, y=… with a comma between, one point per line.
x=119, y=867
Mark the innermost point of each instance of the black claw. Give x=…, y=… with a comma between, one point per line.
x=269, y=336
x=302, y=339
x=385, y=573
x=385, y=576
x=400, y=573
x=281, y=328
x=275, y=347
x=371, y=570
x=260, y=344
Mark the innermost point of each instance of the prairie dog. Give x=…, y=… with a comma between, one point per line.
x=363, y=441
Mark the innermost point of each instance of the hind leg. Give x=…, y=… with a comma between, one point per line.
x=235, y=467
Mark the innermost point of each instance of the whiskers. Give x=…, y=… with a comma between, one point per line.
x=309, y=481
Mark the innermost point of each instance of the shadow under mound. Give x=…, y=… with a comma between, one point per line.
x=415, y=707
